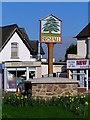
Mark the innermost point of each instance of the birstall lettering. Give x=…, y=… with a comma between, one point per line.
x=50, y=39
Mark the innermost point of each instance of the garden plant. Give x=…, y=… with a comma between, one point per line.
x=75, y=104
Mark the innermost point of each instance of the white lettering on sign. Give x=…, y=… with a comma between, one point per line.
x=50, y=39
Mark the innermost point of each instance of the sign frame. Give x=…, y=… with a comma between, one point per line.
x=48, y=38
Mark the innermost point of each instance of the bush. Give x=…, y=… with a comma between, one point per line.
x=77, y=104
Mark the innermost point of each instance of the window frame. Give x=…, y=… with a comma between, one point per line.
x=14, y=49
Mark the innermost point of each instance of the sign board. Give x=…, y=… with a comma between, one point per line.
x=78, y=64
x=22, y=64
x=51, y=30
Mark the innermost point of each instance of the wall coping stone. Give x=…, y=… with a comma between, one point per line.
x=53, y=80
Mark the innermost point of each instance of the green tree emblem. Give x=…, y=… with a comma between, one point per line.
x=51, y=25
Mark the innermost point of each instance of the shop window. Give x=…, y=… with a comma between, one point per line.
x=32, y=74
x=15, y=76
x=14, y=50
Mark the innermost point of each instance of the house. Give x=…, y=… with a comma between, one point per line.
x=78, y=66
x=59, y=69
x=19, y=56
x=22, y=59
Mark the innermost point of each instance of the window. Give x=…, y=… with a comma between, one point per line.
x=31, y=74
x=14, y=50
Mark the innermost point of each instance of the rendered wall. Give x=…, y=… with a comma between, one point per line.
x=23, y=52
x=81, y=48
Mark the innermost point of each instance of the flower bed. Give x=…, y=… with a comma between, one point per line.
x=76, y=104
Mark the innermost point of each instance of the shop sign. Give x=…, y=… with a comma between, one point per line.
x=80, y=64
x=50, y=30
x=22, y=64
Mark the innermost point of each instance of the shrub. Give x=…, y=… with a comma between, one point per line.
x=77, y=104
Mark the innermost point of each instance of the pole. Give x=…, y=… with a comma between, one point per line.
x=50, y=59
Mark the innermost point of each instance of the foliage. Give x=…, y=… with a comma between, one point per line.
x=51, y=25
x=72, y=49
x=76, y=104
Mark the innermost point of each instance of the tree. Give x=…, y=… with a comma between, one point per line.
x=72, y=49
x=51, y=25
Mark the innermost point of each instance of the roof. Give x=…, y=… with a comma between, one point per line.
x=52, y=16
x=85, y=32
x=6, y=33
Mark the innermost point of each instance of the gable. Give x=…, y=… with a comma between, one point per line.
x=17, y=39
x=23, y=52
x=8, y=31
x=50, y=15
x=85, y=32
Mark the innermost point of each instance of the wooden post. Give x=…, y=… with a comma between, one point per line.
x=50, y=58
x=67, y=73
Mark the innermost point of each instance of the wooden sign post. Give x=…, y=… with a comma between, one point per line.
x=50, y=33
x=50, y=58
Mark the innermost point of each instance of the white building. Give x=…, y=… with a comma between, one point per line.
x=78, y=66
x=18, y=56
x=59, y=69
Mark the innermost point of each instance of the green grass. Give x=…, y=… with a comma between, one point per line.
x=37, y=112
x=51, y=34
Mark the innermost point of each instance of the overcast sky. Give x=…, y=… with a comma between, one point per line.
x=74, y=16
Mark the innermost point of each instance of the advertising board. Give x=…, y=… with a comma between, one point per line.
x=78, y=64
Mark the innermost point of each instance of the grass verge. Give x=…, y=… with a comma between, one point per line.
x=37, y=112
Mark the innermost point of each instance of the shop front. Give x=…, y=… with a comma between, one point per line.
x=79, y=70
x=17, y=72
